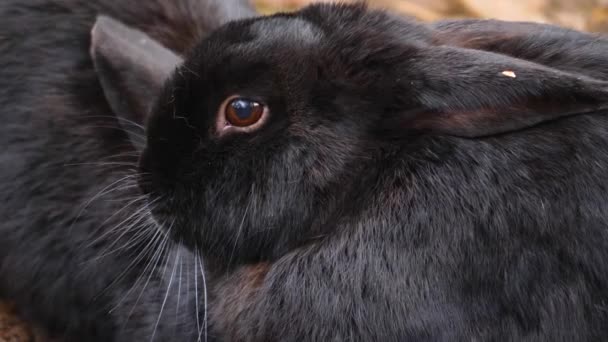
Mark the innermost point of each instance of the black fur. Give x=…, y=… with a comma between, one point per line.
x=404, y=187
x=67, y=257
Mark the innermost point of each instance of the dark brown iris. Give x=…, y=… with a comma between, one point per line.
x=242, y=112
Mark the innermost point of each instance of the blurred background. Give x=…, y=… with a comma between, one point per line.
x=588, y=15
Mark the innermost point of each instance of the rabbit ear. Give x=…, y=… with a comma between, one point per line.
x=131, y=68
x=472, y=93
x=229, y=10
x=549, y=45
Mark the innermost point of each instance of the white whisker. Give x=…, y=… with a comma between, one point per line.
x=188, y=285
x=106, y=190
x=196, y=299
x=119, y=225
x=155, y=261
x=130, y=122
x=162, y=307
x=179, y=290
x=104, y=164
x=118, y=128
x=154, y=241
x=204, y=296
x=144, y=233
x=238, y=233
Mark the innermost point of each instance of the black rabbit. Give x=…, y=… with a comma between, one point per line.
x=349, y=175
x=78, y=253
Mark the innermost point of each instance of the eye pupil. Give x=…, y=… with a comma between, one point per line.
x=243, y=112
x=243, y=108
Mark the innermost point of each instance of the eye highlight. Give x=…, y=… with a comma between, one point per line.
x=242, y=112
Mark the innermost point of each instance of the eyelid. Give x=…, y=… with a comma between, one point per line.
x=223, y=128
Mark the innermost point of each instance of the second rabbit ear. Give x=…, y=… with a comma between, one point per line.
x=472, y=93
x=131, y=67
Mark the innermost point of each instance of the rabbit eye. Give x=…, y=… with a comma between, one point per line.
x=242, y=112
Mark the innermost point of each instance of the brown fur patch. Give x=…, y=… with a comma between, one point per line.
x=12, y=329
x=235, y=297
x=253, y=276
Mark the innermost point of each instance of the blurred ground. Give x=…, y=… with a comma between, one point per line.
x=589, y=15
